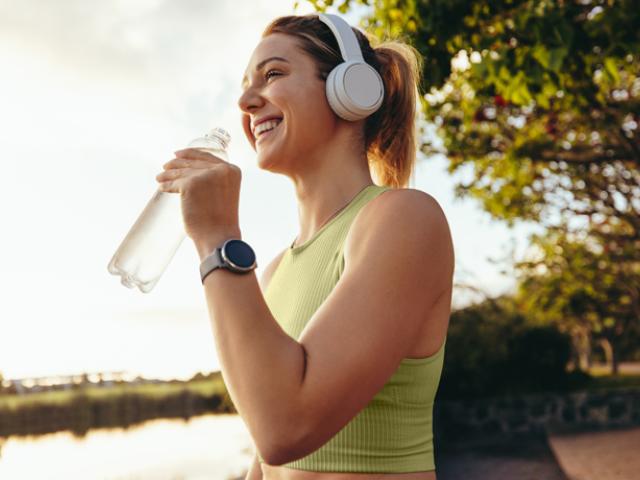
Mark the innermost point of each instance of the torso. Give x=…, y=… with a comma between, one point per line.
x=269, y=472
x=430, y=339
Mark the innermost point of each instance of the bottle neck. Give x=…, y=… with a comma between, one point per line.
x=216, y=142
x=220, y=136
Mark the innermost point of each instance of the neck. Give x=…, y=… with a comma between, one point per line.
x=323, y=194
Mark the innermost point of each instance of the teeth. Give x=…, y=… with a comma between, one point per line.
x=268, y=125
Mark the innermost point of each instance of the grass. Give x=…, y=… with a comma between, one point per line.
x=155, y=391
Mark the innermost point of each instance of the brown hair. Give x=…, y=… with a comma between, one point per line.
x=390, y=132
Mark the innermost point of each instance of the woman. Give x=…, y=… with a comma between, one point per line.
x=333, y=359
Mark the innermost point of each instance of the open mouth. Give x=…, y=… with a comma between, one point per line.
x=271, y=126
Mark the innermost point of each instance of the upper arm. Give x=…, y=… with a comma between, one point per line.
x=398, y=261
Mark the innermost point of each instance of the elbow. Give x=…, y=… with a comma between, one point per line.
x=278, y=452
x=282, y=456
x=288, y=448
x=276, y=458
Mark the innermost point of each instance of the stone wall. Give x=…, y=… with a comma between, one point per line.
x=537, y=414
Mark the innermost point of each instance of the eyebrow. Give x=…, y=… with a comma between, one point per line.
x=262, y=64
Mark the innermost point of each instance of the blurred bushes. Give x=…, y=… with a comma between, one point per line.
x=537, y=358
x=493, y=350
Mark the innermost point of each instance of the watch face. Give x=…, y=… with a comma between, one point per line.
x=239, y=254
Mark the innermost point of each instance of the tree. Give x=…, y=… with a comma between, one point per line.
x=540, y=102
x=543, y=104
x=584, y=288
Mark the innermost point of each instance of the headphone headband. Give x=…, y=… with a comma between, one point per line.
x=354, y=88
x=347, y=41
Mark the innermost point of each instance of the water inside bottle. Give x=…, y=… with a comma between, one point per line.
x=151, y=243
x=153, y=240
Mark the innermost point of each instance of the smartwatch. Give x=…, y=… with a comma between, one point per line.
x=235, y=255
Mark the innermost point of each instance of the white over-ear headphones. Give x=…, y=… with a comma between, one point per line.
x=354, y=88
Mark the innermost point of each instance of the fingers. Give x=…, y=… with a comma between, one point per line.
x=171, y=174
x=168, y=187
x=187, y=163
x=175, y=173
x=197, y=154
x=178, y=170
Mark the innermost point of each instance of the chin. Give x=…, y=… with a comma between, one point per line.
x=277, y=163
x=271, y=159
x=265, y=161
x=268, y=164
x=263, y=165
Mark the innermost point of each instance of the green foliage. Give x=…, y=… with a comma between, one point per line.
x=544, y=97
x=582, y=283
x=492, y=349
x=538, y=358
x=476, y=350
x=538, y=103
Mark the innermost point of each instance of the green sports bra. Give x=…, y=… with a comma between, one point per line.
x=393, y=433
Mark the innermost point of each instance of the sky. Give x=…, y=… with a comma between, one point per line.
x=95, y=96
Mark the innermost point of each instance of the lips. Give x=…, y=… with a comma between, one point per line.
x=264, y=120
x=268, y=133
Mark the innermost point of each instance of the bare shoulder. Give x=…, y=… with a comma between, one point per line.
x=400, y=215
x=402, y=203
x=267, y=273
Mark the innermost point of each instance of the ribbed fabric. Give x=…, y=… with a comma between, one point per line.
x=393, y=433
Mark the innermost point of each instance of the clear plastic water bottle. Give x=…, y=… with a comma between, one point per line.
x=154, y=238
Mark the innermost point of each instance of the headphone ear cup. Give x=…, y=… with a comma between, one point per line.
x=354, y=90
x=332, y=95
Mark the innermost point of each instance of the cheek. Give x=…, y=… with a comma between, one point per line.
x=312, y=112
x=317, y=116
x=246, y=126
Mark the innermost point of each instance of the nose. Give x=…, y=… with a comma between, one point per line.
x=249, y=101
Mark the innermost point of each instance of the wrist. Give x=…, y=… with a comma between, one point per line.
x=206, y=244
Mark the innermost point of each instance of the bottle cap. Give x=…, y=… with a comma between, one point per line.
x=221, y=134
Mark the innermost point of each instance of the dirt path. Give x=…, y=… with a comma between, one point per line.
x=610, y=455
x=499, y=459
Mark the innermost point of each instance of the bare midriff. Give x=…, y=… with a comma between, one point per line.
x=270, y=472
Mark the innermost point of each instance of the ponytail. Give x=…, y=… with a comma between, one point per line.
x=390, y=133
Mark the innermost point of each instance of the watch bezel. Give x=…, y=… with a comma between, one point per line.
x=230, y=264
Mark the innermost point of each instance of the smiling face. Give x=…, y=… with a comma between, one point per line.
x=291, y=89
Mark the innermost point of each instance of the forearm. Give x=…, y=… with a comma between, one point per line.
x=261, y=365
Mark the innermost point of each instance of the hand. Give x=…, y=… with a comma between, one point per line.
x=209, y=190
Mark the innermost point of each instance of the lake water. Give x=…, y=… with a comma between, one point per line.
x=207, y=447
